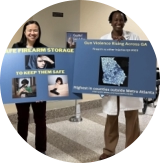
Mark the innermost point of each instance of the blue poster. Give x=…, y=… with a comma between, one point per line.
x=125, y=68
x=38, y=74
x=72, y=37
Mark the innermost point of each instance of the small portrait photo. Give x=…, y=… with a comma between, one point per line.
x=39, y=61
x=113, y=71
x=70, y=42
x=58, y=85
x=23, y=87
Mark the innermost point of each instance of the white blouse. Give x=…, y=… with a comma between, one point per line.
x=109, y=103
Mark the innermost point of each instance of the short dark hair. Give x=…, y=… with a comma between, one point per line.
x=60, y=80
x=111, y=16
x=23, y=40
x=24, y=81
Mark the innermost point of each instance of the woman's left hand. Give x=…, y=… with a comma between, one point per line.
x=45, y=58
x=118, y=38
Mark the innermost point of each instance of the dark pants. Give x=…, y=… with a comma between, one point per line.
x=39, y=110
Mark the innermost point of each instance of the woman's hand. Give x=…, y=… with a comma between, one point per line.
x=118, y=38
x=23, y=90
x=71, y=43
x=45, y=58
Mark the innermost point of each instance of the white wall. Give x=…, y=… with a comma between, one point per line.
x=54, y=28
x=17, y=36
x=94, y=20
x=84, y=16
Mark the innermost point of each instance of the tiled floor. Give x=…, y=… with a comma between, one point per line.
x=81, y=142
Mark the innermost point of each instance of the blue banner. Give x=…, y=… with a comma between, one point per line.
x=125, y=68
x=38, y=74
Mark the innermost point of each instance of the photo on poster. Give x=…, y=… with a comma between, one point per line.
x=113, y=71
x=24, y=87
x=58, y=85
x=72, y=37
x=70, y=43
x=39, y=61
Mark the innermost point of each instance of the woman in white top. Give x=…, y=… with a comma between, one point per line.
x=113, y=104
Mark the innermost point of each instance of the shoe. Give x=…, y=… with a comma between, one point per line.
x=103, y=156
x=43, y=152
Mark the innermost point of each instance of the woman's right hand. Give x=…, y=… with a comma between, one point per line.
x=118, y=38
x=21, y=90
x=45, y=58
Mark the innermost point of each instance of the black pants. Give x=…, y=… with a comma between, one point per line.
x=39, y=110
